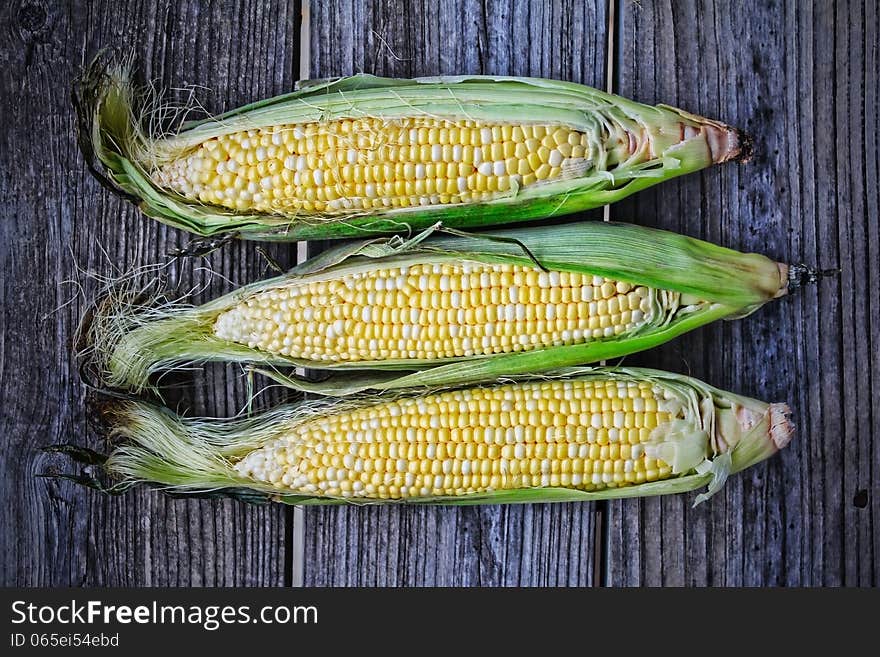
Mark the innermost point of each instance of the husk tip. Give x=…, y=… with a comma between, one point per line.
x=782, y=429
x=728, y=144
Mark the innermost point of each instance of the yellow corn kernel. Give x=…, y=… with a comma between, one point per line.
x=285, y=161
x=391, y=450
x=424, y=309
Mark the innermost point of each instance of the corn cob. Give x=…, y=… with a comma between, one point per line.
x=436, y=311
x=585, y=434
x=363, y=155
x=461, y=308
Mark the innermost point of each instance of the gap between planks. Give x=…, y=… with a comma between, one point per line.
x=296, y=516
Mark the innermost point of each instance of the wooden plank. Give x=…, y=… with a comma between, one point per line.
x=801, y=77
x=56, y=218
x=394, y=546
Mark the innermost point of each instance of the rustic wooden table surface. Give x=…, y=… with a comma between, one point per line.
x=800, y=76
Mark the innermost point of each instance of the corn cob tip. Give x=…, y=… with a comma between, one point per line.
x=781, y=427
x=725, y=143
x=784, y=279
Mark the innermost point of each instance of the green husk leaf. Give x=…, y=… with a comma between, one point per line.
x=123, y=153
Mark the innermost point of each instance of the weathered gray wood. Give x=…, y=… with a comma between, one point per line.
x=56, y=218
x=802, y=78
x=392, y=546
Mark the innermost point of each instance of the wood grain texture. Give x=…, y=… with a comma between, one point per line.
x=801, y=77
x=57, y=223
x=488, y=546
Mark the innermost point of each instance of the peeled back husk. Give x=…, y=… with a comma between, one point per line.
x=707, y=434
x=629, y=146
